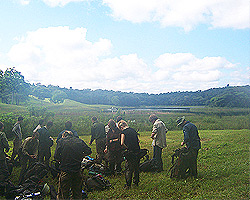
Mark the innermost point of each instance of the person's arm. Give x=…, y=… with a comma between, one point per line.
x=15, y=130
x=24, y=148
x=123, y=140
x=186, y=136
x=5, y=142
x=154, y=131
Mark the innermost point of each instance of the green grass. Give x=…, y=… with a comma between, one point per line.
x=223, y=170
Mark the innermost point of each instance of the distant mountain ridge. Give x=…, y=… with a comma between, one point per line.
x=230, y=96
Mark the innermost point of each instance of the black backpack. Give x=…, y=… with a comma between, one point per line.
x=180, y=164
x=149, y=165
x=35, y=173
x=97, y=182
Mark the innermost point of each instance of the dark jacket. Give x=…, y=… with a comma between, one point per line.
x=114, y=145
x=97, y=131
x=191, y=136
x=69, y=152
x=131, y=139
x=44, y=138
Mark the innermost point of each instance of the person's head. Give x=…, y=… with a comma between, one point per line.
x=152, y=118
x=1, y=126
x=41, y=121
x=49, y=124
x=122, y=125
x=94, y=119
x=119, y=118
x=67, y=134
x=20, y=119
x=112, y=124
x=181, y=121
x=68, y=125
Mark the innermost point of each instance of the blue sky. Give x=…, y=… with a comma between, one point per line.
x=151, y=46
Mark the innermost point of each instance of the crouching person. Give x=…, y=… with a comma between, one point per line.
x=70, y=151
x=28, y=153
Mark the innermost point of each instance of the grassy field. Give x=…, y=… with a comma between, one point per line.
x=223, y=161
x=223, y=170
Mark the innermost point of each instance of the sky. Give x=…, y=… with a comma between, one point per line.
x=142, y=46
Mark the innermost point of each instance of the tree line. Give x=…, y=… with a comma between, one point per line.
x=14, y=89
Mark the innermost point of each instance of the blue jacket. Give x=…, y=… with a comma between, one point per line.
x=191, y=136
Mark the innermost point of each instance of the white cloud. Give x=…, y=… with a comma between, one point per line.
x=23, y=2
x=183, y=13
x=175, y=13
x=64, y=57
x=61, y=3
x=185, y=71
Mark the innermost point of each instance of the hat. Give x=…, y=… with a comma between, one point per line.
x=180, y=120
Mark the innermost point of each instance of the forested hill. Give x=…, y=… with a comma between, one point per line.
x=221, y=97
x=14, y=90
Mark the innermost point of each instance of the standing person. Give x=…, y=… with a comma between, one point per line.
x=17, y=142
x=129, y=140
x=4, y=145
x=45, y=142
x=159, y=139
x=192, y=141
x=69, y=152
x=113, y=147
x=99, y=135
x=40, y=124
x=28, y=153
x=68, y=127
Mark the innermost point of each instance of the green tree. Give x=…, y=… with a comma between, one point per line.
x=13, y=87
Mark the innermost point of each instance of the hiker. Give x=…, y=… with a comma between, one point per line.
x=70, y=152
x=113, y=147
x=28, y=153
x=159, y=139
x=4, y=147
x=192, y=141
x=40, y=124
x=130, y=141
x=99, y=135
x=68, y=127
x=17, y=142
x=45, y=142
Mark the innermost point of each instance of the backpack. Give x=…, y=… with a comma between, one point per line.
x=180, y=164
x=35, y=173
x=149, y=165
x=97, y=182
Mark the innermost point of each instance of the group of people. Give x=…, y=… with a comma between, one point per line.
x=114, y=142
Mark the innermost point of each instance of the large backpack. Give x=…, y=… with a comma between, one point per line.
x=35, y=173
x=149, y=165
x=180, y=164
x=97, y=182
